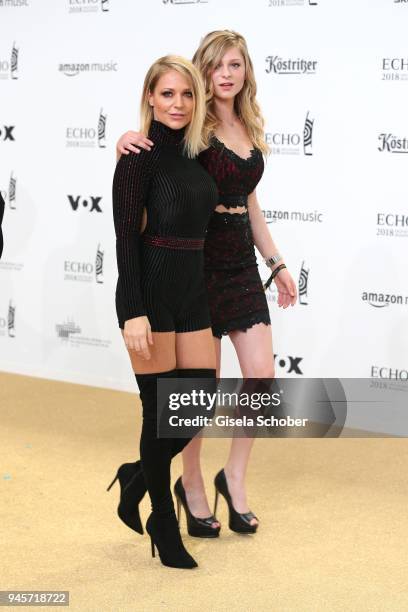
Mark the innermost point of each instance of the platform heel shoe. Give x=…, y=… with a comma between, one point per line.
x=196, y=527
x=165, y=536
x=240, y=523
x=132, y=490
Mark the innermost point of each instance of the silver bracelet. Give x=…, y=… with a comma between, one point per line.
x=271, y=261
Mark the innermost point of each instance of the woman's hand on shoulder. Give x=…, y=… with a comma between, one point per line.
x=138, y=336
x=130, y=141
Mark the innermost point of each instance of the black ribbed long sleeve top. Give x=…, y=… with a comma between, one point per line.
x=179, y=197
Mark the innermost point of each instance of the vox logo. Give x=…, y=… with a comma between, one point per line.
x=91, y=202
x=289, y=362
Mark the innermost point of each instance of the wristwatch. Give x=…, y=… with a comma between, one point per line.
x=271, y=261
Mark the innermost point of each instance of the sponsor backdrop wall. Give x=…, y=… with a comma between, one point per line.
x=333, y=85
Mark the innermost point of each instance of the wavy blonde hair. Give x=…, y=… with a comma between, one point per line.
x=212, y=47
x=193, y=137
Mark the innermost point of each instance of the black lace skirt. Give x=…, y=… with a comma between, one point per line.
x=235, y=293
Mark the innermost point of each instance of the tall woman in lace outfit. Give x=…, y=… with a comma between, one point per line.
x=238, y=306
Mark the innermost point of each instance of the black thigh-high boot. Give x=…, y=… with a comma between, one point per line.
x=156, y=455
x=130, y=475
x=207, y=382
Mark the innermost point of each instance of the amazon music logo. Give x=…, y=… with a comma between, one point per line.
x=382, y=300
x=289, y=364
x=8, y=324
x=73, y=69
x=85, y=271
x=10, y=196
x=88, y=6
x=392, y=225
x=292, y=143
x=394, y=68
x=389, y=143
x=92, y=203
x=9, y=67
x=287, y=3
x=88, y=137
x=387, y=373
x=277, y=65
x=297, y=216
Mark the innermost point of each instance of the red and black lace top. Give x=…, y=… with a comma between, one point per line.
x=229, y=241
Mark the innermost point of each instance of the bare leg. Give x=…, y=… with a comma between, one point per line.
x=192, y=476
x=255, y=355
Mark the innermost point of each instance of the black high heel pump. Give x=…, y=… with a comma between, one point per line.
x=196, y=527
x=238, y=522
x=132, y=490
x=165, y=535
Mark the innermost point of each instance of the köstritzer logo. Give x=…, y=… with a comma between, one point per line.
x=392, y=144
x=277, y=65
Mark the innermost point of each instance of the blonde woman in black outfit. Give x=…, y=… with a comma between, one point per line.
x=238, y=306
x=162, y=203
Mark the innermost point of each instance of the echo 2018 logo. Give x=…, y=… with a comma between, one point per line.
x=9, y=68
x=10, y=195
x=8, y=325
x=88, y=6
x=85, y=271
x=293, y=143
x=88, y=137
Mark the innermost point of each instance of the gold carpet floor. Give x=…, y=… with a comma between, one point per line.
x=333, y=533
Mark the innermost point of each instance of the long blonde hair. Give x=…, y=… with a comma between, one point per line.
x=212, y=47
x=193, y=140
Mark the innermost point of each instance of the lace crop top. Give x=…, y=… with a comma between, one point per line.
x=235, y=176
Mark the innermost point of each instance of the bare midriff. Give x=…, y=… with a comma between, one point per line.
x=230, y=209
